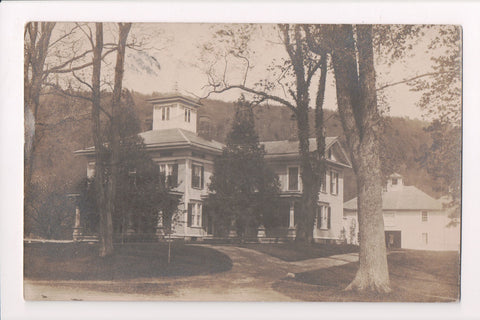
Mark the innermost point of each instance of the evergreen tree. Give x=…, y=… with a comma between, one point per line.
x=243, y=187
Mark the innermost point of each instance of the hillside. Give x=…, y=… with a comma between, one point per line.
x=69, y=129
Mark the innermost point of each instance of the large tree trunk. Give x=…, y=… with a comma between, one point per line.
x=356, y=97
x=105, y=229
x=37, y=40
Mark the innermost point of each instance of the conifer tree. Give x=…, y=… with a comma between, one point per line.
x=243, y=187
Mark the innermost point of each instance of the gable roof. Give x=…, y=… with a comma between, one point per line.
x=405, y=198
x=290, y=148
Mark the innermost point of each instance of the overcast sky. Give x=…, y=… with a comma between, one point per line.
x=178, y=49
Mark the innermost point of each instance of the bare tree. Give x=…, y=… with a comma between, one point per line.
x=297, y=73
x=351, y=48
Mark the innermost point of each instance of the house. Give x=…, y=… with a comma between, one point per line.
x=187, y=159
x=412, y=219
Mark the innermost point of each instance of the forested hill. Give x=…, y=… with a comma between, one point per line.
x=65, y=127
x=404, y=140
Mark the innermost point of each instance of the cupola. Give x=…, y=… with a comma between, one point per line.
x=173, y=112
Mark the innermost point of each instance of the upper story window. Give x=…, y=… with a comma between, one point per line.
x=333, y=182
x=169, y=173
x=323, y=183
x=165, y=112
x=424, y=216
x=187, y=115
x=197, y=176
x=394, y=181
x=324, y=213
x=293, y=178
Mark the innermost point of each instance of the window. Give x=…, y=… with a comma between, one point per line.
x=91, y=170
x=425, y=238
x=187, y=115
x=169, y=173
x=424, y=216
x=324, y=213
x=165, y=112
x=194, y=214
x=293, y=174
x=333, y=182
x=197, y=176
x=323, y=183
x=329, y=153
x=394, y=181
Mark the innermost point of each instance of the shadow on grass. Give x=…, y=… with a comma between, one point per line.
x=415, y=276
x=80, y=261
x=293, y=251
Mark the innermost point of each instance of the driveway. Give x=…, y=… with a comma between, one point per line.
x=250, y=279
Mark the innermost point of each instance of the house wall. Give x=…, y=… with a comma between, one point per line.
x=335, y=201
x=409, y=222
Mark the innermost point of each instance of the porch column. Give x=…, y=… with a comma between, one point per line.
x=159, y=231
x=291, y=221
x=77, y=228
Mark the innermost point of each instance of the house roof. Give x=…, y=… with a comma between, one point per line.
x=290, y=148
x=405, y=198
x=176, y=98
x=171, y=138
x=177, y=136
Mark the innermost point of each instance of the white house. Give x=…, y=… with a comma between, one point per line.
x=187, y=159
x=412, y=219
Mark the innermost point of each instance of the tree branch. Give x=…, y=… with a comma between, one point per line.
x=256, y=92
x=411, y=79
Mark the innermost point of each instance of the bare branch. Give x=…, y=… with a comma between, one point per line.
x=81, y=80
x=256, y=92
x=59, y=69
x=411, y=79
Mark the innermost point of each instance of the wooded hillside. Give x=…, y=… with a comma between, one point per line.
x=66, y=124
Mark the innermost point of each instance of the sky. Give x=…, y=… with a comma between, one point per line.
x=173, y=58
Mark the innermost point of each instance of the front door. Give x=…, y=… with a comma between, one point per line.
x=393, y=239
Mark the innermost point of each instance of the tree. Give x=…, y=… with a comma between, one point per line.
x=294, y=75
x=351, y=49
x=441, y=101
x=243, y=187
x=143, y=196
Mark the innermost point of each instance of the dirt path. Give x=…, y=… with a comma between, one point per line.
x=250, y=279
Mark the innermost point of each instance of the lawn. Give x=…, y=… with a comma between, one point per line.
x=292, y=251
x=416, y=276
x=80, y=261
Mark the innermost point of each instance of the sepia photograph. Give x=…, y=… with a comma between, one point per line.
x=242, y=162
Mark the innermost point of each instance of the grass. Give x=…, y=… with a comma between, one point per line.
x=80, y=261
x=415, y=276
x=292, y=251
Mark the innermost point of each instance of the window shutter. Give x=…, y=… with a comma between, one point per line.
x=193, y=175
x=329, y=216
x=204, y=218
x=189, y=215
x=318, y=217
x=201, y=180
x=336, y=183
x=174, y=175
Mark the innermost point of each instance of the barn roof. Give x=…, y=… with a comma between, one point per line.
x=405, y=198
